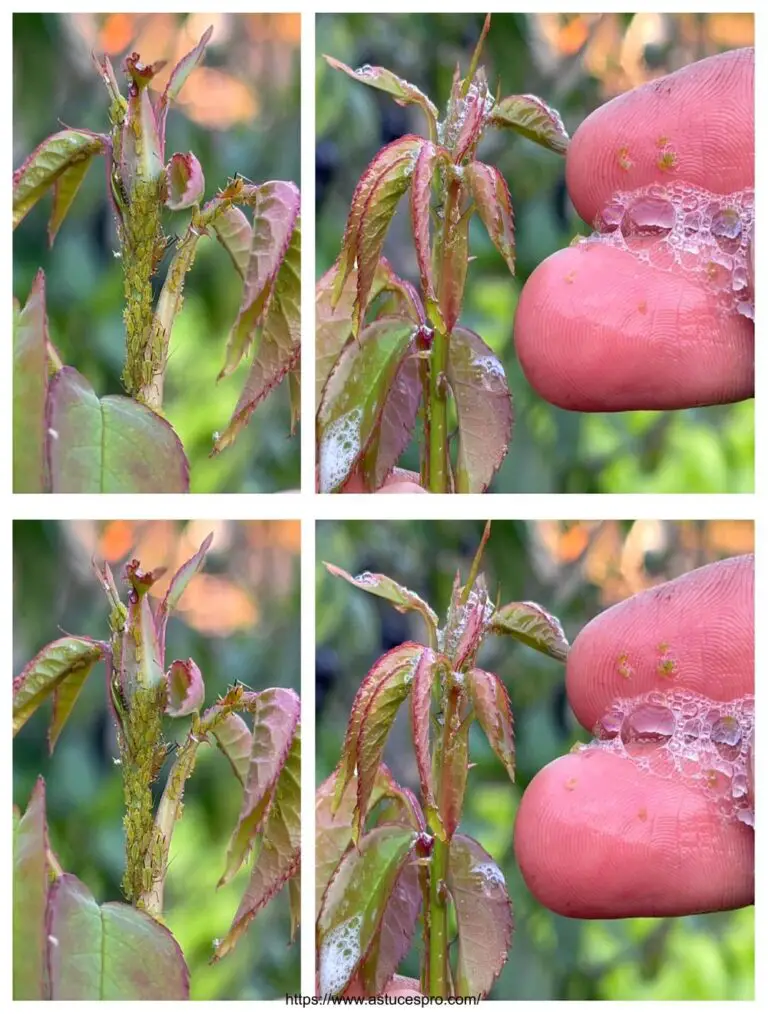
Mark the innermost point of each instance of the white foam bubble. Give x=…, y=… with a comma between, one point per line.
x=339, y=447
x=339, y=954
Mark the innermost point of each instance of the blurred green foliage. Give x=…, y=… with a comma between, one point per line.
x=54, y=83
x=703, y=450
x=56, y=590
x=700, y=957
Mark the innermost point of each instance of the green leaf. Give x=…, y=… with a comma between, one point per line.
x=275, y=217
x=277, y=853
x=483, y=916
x=141, y=653
x=275, y=720
x=234, y=232
x=334, y=315
x=333, y=826
x=233, y=737
x=30, y=897
x=373, y=204
x=30, y=384
x=109, y=952
x=494, y=205
x=177, y=587
x=294, y=905
x=384, y=587
x=109, y=445
x=64, y=192
x=534, y=626
x=379, y=77
x=178, y=77
x=68, y=660
x=396, y=425
x=393, y=941
x=278, y=346
x=534, y=119
x=393, y=672
x=355, y=396
x=492, y=710
x=47, y=163
x=484, y=409
x=355, y=901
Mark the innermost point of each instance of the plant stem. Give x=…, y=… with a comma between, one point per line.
x=438, y=920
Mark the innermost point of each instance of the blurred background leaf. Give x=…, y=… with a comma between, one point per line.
x=575, y=62
x=239, y=620
x=575, y=569
x=239, y=112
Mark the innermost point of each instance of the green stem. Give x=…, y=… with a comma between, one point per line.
x=438, y=920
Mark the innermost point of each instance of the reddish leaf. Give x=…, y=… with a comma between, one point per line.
x=483, y=916
x=421, y=701
x=373, y=204
x=454, y=767
x=141, y=654
x=494, y=205
x=109, y=952
x=178, y=586
x=396, y=931
x=66, y=661
x=274, y=724
x=492, y=710
x=30, y=893
x=453, y=274
x=384, y=587
x=355, y=901
x=278, y=345
x=109, y=445
x=277, y=851
x=379, y=77
x=186, y=183
x=465, y=622
x=47, y=163
x=186, y=690
x=275, y=217
x=233, y=738
x=484, y=409
x=178, y=77
x=534, y=119
x=421, y=196
x=141, y=150
x=234, y=232
x=355, y=395
x=395, y=667
x=30, y=383
x=534, y=626
x=472, y=113
x=396, y=425
x=333, y=317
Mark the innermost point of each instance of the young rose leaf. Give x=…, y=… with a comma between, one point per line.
x=453, y=276
x=421, y=196
x=471, y=116
x=534, y=626
x=30, y=894
x=355, y=901
x=333, y=317
x=383, y=79
x=141, y=149
x=384, y=587
x=177, y=587
x=483, y=407
x=275, y=216
x=178, y=77
x=492, y=710
x=109, y=445
x=141, y=653
x=396, y=931
x=274, y=725
x=534, y=119
x=294, y=393
x=494, y=205
x=380, y=188
x=64, y=192
x=395, y=667
x=30, y=384
x=355, y=395
x=454, y=766
x=294, y=905
x=278, y=345
x=277, y=851
x=396, y=425
x=233, y=737
x=68, y=660
x=483, y=916
x=186, y=690
x=421, y=699
x=186, y=183
x=109, y=952
x=47, y=163
x=234, y=232
x=333, y=827
x=465, y=621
